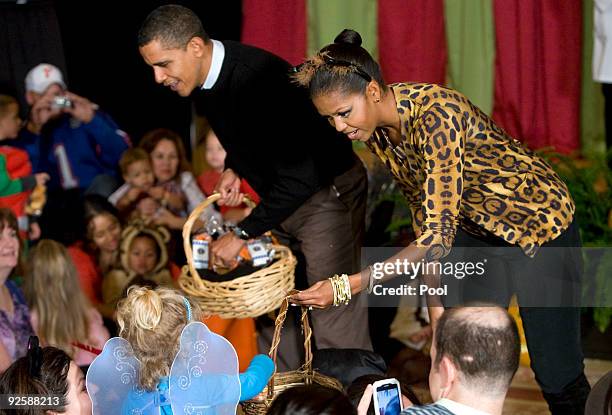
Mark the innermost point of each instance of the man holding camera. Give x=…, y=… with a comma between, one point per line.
x=67, y=137
x=475, y=353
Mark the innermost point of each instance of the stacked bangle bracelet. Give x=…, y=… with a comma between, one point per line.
x=341, y=288
x=370, y=279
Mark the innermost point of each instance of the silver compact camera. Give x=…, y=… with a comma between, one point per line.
x=61, y=101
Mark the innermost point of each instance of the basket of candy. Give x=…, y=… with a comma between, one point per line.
x=251, y=295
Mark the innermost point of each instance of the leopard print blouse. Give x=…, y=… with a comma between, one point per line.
x=456, y=167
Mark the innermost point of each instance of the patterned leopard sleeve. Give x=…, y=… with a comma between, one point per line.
x=440, y=138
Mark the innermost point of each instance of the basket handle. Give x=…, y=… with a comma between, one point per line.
x=188, y=226
x=278, y=325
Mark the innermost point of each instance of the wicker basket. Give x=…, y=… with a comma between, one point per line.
x=280, y=382
x=248, y=296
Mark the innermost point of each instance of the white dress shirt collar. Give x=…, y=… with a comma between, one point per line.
x=218, y=54
x=459, y=408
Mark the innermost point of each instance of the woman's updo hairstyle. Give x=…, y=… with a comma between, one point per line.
x=343, y=66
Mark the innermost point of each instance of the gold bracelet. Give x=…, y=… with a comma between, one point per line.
x=341, y=288
x=332, y=281
x=347, y=288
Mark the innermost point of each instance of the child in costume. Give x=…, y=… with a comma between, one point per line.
x=16, y=178
x=167, y=362
x=144, y=261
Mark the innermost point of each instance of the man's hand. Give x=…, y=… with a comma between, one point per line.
x=42, y=111
x=366, y=399
x=82, y=109
x=229, y=187
x=226, y=249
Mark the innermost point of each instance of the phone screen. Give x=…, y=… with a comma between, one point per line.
x=388, y=399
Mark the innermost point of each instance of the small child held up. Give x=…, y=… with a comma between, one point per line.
x=16, y=178
x=141, y=198
x=215, y=157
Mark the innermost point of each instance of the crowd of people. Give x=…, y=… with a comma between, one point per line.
x=91, y=242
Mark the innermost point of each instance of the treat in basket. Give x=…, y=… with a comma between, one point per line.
x=257, y=253
x=230, y=296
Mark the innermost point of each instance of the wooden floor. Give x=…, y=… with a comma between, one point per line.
x=524, y=396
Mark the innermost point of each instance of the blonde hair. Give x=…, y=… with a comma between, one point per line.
x=53, y=290
x=152, y=321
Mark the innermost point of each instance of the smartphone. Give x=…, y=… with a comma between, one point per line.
x=387, y=397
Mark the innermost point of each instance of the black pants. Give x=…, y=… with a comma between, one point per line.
x=548, y=292
x=328, y=231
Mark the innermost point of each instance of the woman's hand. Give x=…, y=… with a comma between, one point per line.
x=319, y=295
x=157, y=192
x=166, y=218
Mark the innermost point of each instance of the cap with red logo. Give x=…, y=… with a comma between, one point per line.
x=42, y=76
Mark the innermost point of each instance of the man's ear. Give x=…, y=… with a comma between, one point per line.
x=448, y=373
x=197, y=46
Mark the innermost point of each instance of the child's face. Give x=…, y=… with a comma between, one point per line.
x=10, y=122
x=143, y=255
x=105, y=232
x=140, y=175
x=215, y=153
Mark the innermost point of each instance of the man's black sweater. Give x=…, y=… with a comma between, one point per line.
x=273, y=135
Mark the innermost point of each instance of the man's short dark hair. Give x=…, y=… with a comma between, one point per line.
x=483, y=343
x=173, y=26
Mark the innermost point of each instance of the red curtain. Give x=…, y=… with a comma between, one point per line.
x=276, y=25
x=412, y=40
x=537, y=71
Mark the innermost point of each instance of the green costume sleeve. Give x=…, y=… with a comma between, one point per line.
x=7, y=185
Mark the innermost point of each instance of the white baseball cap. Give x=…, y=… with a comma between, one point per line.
x=42, y=76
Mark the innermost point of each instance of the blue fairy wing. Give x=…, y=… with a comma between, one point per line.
x=204, y=375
